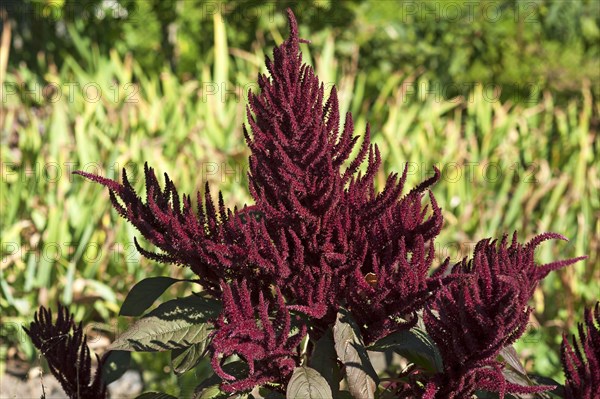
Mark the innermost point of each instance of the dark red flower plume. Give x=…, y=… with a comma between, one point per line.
x=484, y=311
x=320, y=228
x=581, y=361
x=263, y=337
x=320, y=235
x=64, y=345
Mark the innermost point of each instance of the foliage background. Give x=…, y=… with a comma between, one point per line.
x=501, y=95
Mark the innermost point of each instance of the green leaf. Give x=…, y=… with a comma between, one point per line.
x=516, y=377
x=115, y=366
x=307, y=383
x=415, y=345
x=238, y=369
x=362, y=379
x=515, y=372
x=175, y=324
x=144, y=293
x=212, y=392
x=155, y=395
x=324, y=360
x=215, y=392
x=186, y=359
x=188, y=381
x=267, y=393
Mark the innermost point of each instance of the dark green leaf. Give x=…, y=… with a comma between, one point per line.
x=155, y=395
x=186, y=359
x=238, y=369
x=307, y=383
x=415, y=345
x=362, y=379
x=144, y=293
x=267, y=393
x=324, y=360
x=211, y=392
x=115, y=366
x=176, y=324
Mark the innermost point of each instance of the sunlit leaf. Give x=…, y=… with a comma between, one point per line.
x=307, y=383
x=176, y=324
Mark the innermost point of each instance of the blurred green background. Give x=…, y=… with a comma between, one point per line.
x=501, y=95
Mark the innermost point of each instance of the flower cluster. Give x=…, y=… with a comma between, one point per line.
x=484, y=311
x=346, y=242
x=324, y=235
x=64, y=346
x=320, y=235
x=581, y=362
x=264, y=341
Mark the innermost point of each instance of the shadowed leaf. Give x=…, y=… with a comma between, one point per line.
x=144, y=293
x=116, y=364
x=324, y=360
x=155, y=395
x=415, y=345
x=361, y=378
x=183, y=360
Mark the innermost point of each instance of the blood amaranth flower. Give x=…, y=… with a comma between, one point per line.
x=320, y=235
x=473, y=318
x=64, y=345
x=581, y=362
x=323, y=227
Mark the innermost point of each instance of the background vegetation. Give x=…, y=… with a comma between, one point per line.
x=502, y=97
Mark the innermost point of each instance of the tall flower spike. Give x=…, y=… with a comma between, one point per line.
x=515, y=261
x=470, y=325
x=338, y=228
x=297, y=149
x=64, y=346
x=581, y=362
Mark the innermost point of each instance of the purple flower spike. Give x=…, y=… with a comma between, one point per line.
x=64, y=345
x=581, y=362
x=484, y=311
